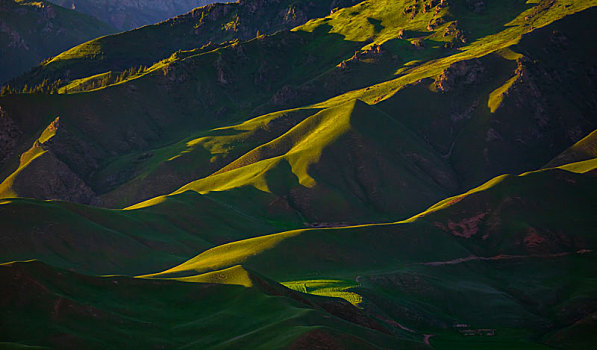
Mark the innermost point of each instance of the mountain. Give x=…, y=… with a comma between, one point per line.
x=127, y=15
x=298, y=175
x=32, y=31
x=204, y=28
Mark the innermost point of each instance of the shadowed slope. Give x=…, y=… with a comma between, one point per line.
x=207, y=26
x=487, y=221
x=31, y=31
x=127, y=15
x=584, y=149
x=497, y=259
x=92, y=240
x=67, y=310
x=345, y=164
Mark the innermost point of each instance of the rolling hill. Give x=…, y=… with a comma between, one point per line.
x=308, y=175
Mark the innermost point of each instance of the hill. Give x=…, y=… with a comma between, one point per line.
x=502, y=254
x=159, y=143
x=204, y=27
x=127, y=15
x=175, y=312
x=501, y=263
x=381, y=174
x=32, y=31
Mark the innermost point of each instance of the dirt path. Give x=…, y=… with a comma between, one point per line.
x=501, y=257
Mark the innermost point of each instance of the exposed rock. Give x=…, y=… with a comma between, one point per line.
x=14, y=38
x=457, y=34
x=284, y=96
x=221, y=74
x=9, y=136
x=464, y=73
x=374, y=52
x=465, y=228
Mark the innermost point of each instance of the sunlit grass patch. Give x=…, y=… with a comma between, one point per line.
x=328, y=288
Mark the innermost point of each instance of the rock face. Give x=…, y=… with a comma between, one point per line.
x=9, y=136
x=460, y=74
x=130, y=14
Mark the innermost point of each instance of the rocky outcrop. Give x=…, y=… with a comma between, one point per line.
x=9, y=137
x=460, y=74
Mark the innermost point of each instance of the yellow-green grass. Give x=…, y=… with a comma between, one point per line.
x=296, y=165
x=345, y=252
x=411, y=274
x=328, y=288
x=581, y=150
x=322, y=45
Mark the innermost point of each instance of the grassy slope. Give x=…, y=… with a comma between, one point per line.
x=81, y=109
x=340, y=160
x=501, y=259
x=212, y=24
x=515, y=228
x=94, y=312
x=172, y=159
x=35, y=30
x=93, y=240
x=584, y=149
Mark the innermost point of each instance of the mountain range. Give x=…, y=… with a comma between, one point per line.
x=32, y=31
x=307, y=175
x=129, y=14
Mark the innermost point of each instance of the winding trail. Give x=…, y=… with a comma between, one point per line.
x=501, y=257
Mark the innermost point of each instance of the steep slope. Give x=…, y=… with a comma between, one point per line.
x=127, y=15
x=347, y=164
x=205, y=27
x=95, y=313
x=31, y=31
x=254, y=72
x=584, y=149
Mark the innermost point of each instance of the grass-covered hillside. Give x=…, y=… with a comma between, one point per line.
x=204, y=27
x=32, y=31
x=308, y=175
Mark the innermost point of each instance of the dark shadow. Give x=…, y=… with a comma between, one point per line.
x=376, y=24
